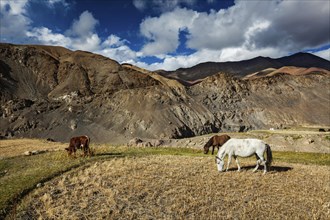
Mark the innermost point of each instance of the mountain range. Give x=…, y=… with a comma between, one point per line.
x=196, y=73
x=53, y=92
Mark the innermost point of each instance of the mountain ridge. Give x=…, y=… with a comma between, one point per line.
x=52, y=92
x=245, y=67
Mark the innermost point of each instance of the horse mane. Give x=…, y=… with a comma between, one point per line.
x=209, y=143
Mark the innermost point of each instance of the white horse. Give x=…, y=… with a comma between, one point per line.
x=244, y=148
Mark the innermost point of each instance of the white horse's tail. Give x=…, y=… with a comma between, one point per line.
x=269, y=156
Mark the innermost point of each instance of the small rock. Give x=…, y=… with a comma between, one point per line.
x=39, y=185
x=27, y=153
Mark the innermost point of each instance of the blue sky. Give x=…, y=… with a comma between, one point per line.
x=169, y=34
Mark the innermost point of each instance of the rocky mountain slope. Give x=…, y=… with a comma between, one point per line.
x=52, y=92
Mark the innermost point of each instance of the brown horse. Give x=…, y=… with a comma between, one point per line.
x=215, y=141
x=81, y=142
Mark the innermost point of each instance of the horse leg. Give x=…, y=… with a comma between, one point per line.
x=264, y=163
x=261, y=161
x=212, y=149
x=256, y=168
x=236, y=159
x=229, y=160
x=85, y=151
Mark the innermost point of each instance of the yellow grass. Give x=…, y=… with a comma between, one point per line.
x=181, y=187
x=159, y=183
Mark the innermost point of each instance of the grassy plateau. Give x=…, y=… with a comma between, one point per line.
x=157, y=183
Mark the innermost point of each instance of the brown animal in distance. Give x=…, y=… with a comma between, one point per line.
x=81, y=142
x=216, y=141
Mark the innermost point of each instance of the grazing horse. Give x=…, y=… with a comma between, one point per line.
x=244, y=148
x=215, y=141
x=81, y=142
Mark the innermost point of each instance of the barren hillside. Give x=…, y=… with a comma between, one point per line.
x=52, y=92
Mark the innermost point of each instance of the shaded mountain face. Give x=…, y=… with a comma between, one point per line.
x=52, y=92
x=242, y=68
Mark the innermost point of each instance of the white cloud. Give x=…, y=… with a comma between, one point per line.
x=174, y=62
x=140, y=4
x=81, y=35
x=46, y=36
x=296, y=25
x=122, y=54
x=16, y=26
x=84, y=26
x=89, y=43
x=163, y=32
x=13, y=21
x=114, y=41
x=325, y=54
x=15, y=7
x=247, y=29
x=161, y=5
x=52, y=3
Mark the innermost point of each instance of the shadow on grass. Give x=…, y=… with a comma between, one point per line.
x=109, y=154
x=272, y=168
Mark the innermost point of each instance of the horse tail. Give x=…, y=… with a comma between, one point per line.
x=87, y=146
x=269, y=156
x=88, y=140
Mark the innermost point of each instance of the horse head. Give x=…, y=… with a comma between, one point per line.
x=208, y=145
x=206, y=149
x=220, y=162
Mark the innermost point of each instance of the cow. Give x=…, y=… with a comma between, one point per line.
x=82, y=143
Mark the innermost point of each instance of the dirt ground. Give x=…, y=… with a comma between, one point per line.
x=182, y=187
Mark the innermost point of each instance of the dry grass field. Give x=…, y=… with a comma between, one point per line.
x=159, y=183
x=181, y=187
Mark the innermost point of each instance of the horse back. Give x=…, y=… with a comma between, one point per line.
x=244, y=147
x=219, y=140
